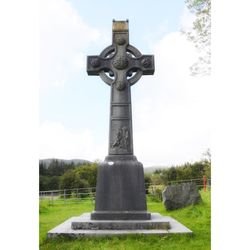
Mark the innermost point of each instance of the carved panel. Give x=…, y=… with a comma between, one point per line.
x=122, y=139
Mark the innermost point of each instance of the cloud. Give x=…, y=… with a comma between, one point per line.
x=153, y=35
x=58, y=142
x=63, y=38
x=187, y=19
x=171, y=113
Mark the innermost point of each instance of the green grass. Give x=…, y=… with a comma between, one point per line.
x=196, y=217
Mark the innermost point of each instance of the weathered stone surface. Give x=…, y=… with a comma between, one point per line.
x=84, y=222
x=180, y=195
x=120, y=190
x=158, y=225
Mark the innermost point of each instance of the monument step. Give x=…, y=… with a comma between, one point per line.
x=120, y=215
x=85, y=222
x=65, y=229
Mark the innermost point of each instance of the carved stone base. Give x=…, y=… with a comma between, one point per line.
x=120, y=191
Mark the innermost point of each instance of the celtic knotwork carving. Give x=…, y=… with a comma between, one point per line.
x=95, y=62
x=146, y=62
x=120, y=62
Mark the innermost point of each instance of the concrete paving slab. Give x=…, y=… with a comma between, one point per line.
x=65, y=229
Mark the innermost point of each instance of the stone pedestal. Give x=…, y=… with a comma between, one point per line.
x=120, y=191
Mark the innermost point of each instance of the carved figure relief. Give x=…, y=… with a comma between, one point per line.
x=122, y=139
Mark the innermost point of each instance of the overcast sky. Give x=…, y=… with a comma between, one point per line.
x=171, y=109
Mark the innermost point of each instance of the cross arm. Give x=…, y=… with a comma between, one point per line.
x=145, y=63
x=95, y=64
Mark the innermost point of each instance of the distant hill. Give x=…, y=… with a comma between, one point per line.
x=47, y=162
x=152, y=169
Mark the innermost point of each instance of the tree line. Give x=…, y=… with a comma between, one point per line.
x=61, y=175
x=187, y=171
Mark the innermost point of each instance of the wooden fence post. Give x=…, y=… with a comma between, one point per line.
x=204, y=183
x=51, y=198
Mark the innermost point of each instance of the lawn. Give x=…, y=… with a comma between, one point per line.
x=196, y=218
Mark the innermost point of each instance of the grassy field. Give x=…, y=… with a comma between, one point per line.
x=196, y=217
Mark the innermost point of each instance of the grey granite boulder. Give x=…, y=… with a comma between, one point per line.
x=180, y=195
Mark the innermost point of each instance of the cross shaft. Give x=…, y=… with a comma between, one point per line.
x=120, y=66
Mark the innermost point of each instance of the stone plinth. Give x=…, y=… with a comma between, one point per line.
x=120, y=191
x=83, y=226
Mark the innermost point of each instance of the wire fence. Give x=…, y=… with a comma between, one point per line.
x=72, y=195
x=76, y=195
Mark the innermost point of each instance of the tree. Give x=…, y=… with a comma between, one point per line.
x=71, y=179
x=42, y=168
x=184, y=172
x=168, y=175
x=44, y=183
x=207, y=156
x=88, y=173
x=147, y=181
x=200, y=35
x=81, y=177
x=172, y=174
x=207, y=162
x=156, y=178
x=48, y=183
x=197, y=170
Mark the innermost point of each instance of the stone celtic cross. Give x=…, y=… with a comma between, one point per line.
x=120, y=200
x=120, y=191
x=120, y=66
